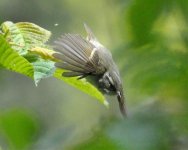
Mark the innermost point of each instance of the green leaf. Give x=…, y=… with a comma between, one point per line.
x=43, y=69
x=24, y=35
x=82, y=85
x=37, y=68
x=44, y=53
x=141, y=19
x=11, y=60
x=99, y=141
x=19, y=128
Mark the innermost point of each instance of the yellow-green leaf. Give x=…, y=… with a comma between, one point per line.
x=11, y=60
x=82, y=85
x=24, y=35
x=45, y=53
x=43, y=69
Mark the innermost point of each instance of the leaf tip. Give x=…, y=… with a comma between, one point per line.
x=36, y=82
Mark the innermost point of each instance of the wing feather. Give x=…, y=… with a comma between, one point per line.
x=76, y=55
x=75, y=42
x=67, y=66
x=72, y=74
x=79, y=64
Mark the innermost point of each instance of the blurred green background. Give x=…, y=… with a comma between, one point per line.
x=149, y=42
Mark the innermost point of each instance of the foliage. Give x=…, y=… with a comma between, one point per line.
x=21, y=37
x=21, y=133
x=100, y=141
x=11, y=60
x=23, y=49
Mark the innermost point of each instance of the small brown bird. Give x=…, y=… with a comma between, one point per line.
x=87, y=58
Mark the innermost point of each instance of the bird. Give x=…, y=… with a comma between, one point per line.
x=88, y=58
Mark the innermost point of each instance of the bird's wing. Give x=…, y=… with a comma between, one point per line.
x=91, y=37
x=76, y=55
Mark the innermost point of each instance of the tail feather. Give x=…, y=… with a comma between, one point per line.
x=122, y=106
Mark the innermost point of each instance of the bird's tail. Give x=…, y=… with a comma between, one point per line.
x=122, y=105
